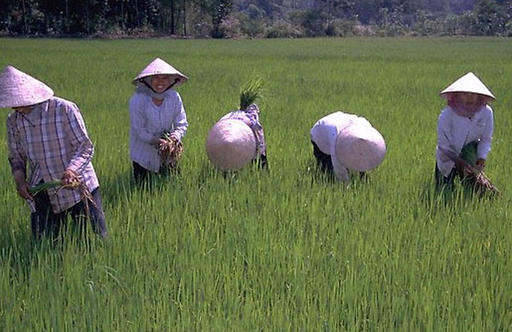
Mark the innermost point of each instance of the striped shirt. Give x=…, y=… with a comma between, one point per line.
x=149, y=121
x=51, y=139
x=251, y=117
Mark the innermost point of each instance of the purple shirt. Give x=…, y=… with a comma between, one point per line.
x=50, y=139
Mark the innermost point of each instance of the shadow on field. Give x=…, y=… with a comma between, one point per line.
x=208, y=171
x=435, y=197
x=319, y=175
x=18, y=249
x=122, y=186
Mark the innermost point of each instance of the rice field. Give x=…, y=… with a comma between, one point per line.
x=281, y=250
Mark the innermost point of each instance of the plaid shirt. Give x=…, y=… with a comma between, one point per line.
x=52, y=138
x=251, y=117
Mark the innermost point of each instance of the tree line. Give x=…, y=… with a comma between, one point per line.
x=254, y=18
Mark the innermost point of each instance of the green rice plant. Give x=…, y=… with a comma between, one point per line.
x=287, y=249
x=250, y=92
x=45, y=186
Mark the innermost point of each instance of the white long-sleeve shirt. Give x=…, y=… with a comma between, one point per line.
x=148, y=121
x=455, y=131
x=325, y=132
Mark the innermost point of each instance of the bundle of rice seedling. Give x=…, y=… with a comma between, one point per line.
x=481, y=183
x=170, y=151
x=44, y=186
x=250, y=92
x=85, y=194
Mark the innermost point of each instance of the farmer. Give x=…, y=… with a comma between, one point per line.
x=464, y=131
x=48, y=135
x=251, y=117
x=156, y=110
x=344, y=142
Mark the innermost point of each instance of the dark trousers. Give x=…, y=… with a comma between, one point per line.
x=468, y=154
x=442, y=180
x=44, y=221
x=142, y=174
x=447, y=181
x=323, y=160
x=261, y=161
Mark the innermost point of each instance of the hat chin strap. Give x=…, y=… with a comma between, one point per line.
x=176, y=80
x=148, y=90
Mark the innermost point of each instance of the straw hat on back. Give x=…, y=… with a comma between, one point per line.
x=360, y=147
x=18, y=89
x=230, y=145
x=469, y=83
x=160, y=67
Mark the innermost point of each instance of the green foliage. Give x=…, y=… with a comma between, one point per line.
x=45, y=186
x=284, y=250
x=254, y=18
x=250, y=92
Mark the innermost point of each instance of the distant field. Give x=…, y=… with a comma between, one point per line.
x=284, y=250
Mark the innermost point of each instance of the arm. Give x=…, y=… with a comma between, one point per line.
x=76, y=135
x=444, y=136
x=17, y=159
x=180, y=124
x=485, y=140
x=137, y=122
x=340, y=171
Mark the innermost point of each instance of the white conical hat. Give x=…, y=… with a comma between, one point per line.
x=469, y=83
x=360, y=147
x=230, y=145
x=160, y=67
x=18, y=89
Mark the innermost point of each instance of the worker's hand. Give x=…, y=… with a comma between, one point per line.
x=480, y=164
x=21, y=185
x=175, y=137
x=161, y=142
x=463, y=167
x=22, y=189
x=69, y=177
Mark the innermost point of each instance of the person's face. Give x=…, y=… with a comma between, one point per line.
x=160, y=83
x=468, y=99
x=23, y=109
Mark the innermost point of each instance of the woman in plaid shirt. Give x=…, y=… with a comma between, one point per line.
x=48, y=135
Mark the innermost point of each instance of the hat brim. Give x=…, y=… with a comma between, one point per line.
x=230, y=145
x=360, y=147
x=160, y=67
x=18, y=89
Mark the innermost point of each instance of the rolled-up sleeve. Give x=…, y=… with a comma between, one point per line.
x=80, y=141
x=137, y=121
x=17, y=155
x=485, y=140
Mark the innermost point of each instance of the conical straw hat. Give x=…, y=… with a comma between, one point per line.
x=18, y=89
x=160, y=67
x=469, y=83
x=360, y=147
x=230, y=145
